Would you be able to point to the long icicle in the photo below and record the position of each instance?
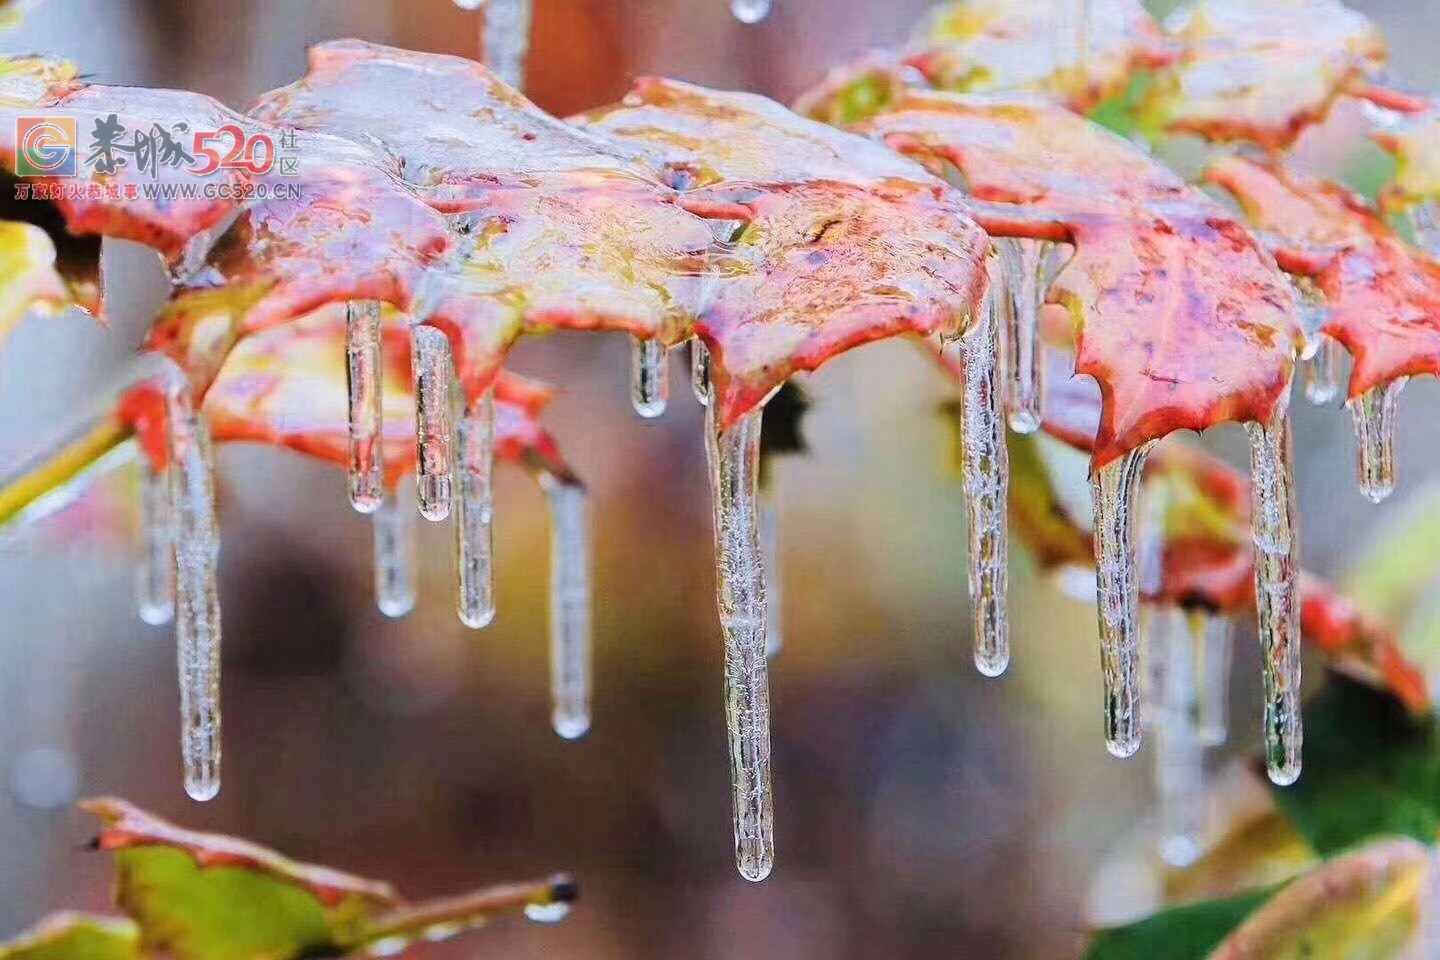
(1028, 269)
(1276, 597)
(197, 595)
(740, 594)
(507, 39)
(750, 11)
(364, 372)
(155, 582)
(396, 556)
(649, 377)
(570, 602)
(1213, 637)
(985, 469)
(434, 374)
(1113, 490)
(1179, 758)
(475, 511)
(700, 371)
(1374, 415)
(770, 555)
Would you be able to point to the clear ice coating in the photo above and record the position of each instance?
(363, 373)
(396, 556)
(1374, 416)
(570, 602)
(649, 377)
(700, 371)
(474, 512)
(985, 470)
(507, 39)
(197, 594)
(1028, 267)
(434, 373)
(740, 594)
(1179, 755)
(1113, 490)
(750, 11)
(155, 582)
(1213, 637)
(1276, 594)
(770, 556)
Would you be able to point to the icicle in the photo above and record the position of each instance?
(362, 350)
(434, 380)
(474, 513)
(734, 467)
(750, 11)
(770, 555)
(1178, 755)
(700, 370)
(1374, 416)
(569, 605)
(507, 39)
(985, 467)
(1213, 637)
(649, 377)
(1276, 549)
(395, 556)
(1113, 489)
(1322, 373)
(1028, 268)
(197, 596)
(155, 585)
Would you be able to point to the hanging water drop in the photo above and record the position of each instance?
(750, 11)
(155, 584)
(507, 39)
(434, 374)
(770, 556)
(395, 556)
(700, 370)
(363, 372)
(1277, 606)
(474, 512)
(1179, 757)
(1213, 637)
(1374, 415)
(985, 473)
(740, 593)
(1028, 267)
(197, 595)
(570, 602)
(649, 377)
(1113, 490)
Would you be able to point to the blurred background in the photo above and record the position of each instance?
(922, 810)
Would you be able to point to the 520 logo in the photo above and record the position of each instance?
(45, 147)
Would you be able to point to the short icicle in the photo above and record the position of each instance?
(1179, 756)
(1322, 373)
(649, 377)
(700, 371)
(1113, 490)
(396, 556)
(740, 592)
(751, 11)
(434, 374)
(1028, 267)
(363, 371)
(475, 511)
(155, 583)
(1213, 638)
(1374, 415)
(570, 602)
(1276, 592)
(507, 39)
(197, 594)
(985, 469)
(770, 555)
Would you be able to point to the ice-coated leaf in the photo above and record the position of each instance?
(75, 936)
(1383, 295)
(1262, 70)
(1181, 316)
(844, 242)
(203, 896)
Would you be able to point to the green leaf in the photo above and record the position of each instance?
(1371, 768)
(75, 936)
(1190, 932)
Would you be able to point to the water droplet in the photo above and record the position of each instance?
(649, 377)
(750, 11)
(395, 556)
(155, 582)
(474, 513)
(547, 912)
(1373, 413)
(570, 602)
(364, 372)
(434, 374)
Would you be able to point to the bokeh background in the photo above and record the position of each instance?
(922, 811)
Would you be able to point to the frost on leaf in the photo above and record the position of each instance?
(843, 241)
(1382, 295)
(204, 896)
(1180, 315)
